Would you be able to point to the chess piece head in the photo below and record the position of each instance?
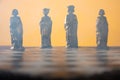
(45, 11)
(15, 12)
(71, 9)
(101, 12)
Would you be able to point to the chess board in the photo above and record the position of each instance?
(59, 61)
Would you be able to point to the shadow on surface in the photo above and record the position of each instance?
(113, 75)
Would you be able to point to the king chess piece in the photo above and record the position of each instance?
(102, 31)
(71, 24)
(46, 28)
(16, 31)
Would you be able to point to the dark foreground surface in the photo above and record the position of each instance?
(60, 63)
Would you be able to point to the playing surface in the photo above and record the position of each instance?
(59, 61)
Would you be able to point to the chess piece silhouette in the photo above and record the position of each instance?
(16, 31)
(71, 24)
(102, 30)
(46, 28)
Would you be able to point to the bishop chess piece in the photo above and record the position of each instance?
(71, 25)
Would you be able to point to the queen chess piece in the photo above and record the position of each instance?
(16, 31)
(102, 31)
(45, 29)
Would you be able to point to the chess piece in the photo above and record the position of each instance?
(102, 30)
(46, 28)
(16, 31)
(71, 24)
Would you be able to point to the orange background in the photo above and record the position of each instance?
(30, 12)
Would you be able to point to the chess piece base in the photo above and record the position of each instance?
(17, 49)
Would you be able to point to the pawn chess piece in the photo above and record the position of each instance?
(46, 28)
(71, 24)
(102, 31)
(16, 31)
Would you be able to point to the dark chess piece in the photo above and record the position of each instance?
(102, 31)
(71, 24)
(16, 31)
(46, 28)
